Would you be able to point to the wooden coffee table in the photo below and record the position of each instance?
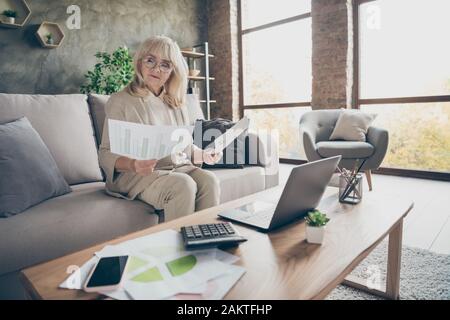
(280, 264)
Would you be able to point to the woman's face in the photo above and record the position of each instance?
(156, 72)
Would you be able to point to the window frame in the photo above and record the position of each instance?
(357, 102)
(241, 32)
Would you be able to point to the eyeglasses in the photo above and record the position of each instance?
(164, 66)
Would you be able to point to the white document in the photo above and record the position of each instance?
(77, 279)
(221, 142)
(214, 289)
(143, 142)
(160, 267)
(179, 278)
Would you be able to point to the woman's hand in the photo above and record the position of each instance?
(143, 167)
(208, 156)
(211, 157)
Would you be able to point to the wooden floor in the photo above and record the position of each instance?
(428, 224)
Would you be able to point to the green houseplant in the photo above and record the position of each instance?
(49, 37)
(315, 226)
(111, 74)
(10, 15)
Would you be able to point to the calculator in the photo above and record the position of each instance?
(210, 235)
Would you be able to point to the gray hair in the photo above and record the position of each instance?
(175, 88)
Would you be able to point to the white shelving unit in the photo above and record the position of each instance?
(195, 55)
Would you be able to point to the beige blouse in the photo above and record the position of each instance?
(149, 110)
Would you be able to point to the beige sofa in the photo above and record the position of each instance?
(70, 125)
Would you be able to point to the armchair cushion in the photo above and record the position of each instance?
(348, 149)
(352, 125)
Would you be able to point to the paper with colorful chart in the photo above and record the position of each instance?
(160, 268)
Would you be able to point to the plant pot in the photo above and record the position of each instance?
(315, 234)
(50, 41)
(10, 20)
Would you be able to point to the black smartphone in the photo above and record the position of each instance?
(107, 274)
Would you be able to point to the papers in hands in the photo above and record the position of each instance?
(143, 142)
(221, 142)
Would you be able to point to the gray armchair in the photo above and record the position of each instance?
(315, 130)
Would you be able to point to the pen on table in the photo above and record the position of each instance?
(353, 182)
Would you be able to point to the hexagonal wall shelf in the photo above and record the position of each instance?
(20, 7)
(52, 28)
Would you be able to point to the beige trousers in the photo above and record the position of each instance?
(181, 194)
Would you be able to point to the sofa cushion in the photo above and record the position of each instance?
(97, 104)
(69, 223)
(238, 183)
(348, 149)
(65, 126)
(28, 173)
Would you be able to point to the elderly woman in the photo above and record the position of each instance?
(156, 96)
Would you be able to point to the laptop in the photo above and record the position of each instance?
(302, 193)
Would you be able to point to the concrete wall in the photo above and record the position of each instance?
(26, 67)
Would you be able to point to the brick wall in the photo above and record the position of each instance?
(332, 54)
(223, 42)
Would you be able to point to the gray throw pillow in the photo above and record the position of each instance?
(28, 172)
(352, 125)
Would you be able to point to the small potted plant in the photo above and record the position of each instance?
(315, 226)
(10, 16)
(49, 37)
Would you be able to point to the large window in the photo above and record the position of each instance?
(276, 67)
(404, 77)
